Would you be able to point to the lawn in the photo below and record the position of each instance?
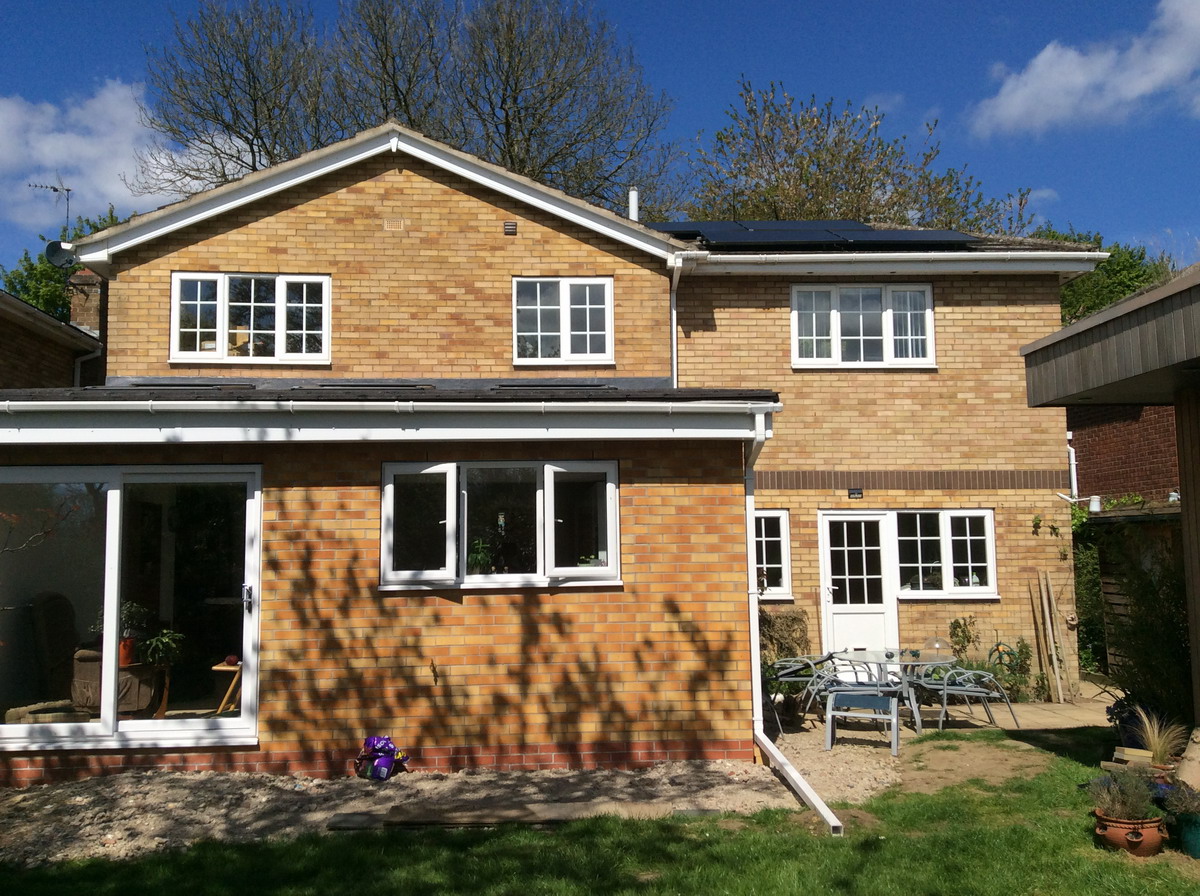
(1027, 836)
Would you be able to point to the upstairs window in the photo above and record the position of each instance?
(562, 320)
(862, 326)
(250, 318)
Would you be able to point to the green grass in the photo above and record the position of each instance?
(1029, 836)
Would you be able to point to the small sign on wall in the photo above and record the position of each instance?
(854, 493)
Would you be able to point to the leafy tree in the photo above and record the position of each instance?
(779, 159)
(41, 284)
(1127, 269)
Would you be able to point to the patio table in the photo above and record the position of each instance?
(905, 664)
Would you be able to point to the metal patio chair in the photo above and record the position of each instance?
(801, 674)
(968, 684)
(853, 692)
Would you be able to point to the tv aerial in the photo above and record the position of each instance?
(60, 190)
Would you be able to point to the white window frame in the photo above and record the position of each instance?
(454, 572)
(219, 353)
(947, 591)
(888, 292)
(782, 591)
(566, 355)
(110, 731)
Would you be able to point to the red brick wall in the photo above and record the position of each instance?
(657, 668)
(29, 360)
(1125, 450)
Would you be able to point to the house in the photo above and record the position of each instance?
(1140, 351)
(399, 442)
(40, 351)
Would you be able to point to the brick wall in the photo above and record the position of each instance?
(658, 668)
(421, 278)
(959, 436)
(29, 360)
(1125, 450)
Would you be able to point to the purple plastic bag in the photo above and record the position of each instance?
(378, 759)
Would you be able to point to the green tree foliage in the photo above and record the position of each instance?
(545, 89)
(1127, 269)
(780, 159)
(36, 281)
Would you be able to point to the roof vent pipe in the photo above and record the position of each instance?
(633, 204)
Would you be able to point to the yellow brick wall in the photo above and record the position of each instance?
(969, 413)
(658, 668)
(968, 417)
(421, 278)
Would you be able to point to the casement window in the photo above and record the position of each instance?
(873, 325)
(498, 523)
(772, 553)
(250, 318)
(946, 552)
(562, 320)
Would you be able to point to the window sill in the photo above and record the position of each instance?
(564, 362)
(929, 367)
(909, 596)
(776, 597)
(251, 362)
(505, 585)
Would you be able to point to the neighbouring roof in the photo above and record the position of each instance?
(16, 311)
(1137, 351)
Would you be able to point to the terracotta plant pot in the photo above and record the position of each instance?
(127, 652)
(1140, 837)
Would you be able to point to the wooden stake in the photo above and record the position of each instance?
(1048, 625)
(1057, 630)
(1039, 641)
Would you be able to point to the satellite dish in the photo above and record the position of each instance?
(60, 254)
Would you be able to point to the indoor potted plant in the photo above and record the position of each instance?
(161, 650)
(1126, 816)
(1183, 802)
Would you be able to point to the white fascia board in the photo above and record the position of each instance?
(163, 422)
(274, 180)
(902, 263)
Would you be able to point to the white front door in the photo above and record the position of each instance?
(858, 587)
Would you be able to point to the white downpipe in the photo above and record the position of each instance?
(775, 758)
(1071, 463)
(676, 273)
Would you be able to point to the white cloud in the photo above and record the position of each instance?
(1065, 85)
(88, 142)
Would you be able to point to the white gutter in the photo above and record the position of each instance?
(774, 757)
(1013, 262)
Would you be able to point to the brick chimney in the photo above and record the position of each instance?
(88, 295)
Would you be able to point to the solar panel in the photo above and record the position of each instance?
(778, 235)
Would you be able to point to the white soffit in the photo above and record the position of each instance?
(385, 139)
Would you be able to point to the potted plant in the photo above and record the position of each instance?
(162, 649)
(1165, 740)
(1126, 816)
(1183, 802)
(134, 619)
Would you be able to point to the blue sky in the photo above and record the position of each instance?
(1095, 107)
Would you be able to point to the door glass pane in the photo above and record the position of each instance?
(855, 562)
(183, 548)
(52, 544)
(420, 522)
(501, 526)
(580, 519)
